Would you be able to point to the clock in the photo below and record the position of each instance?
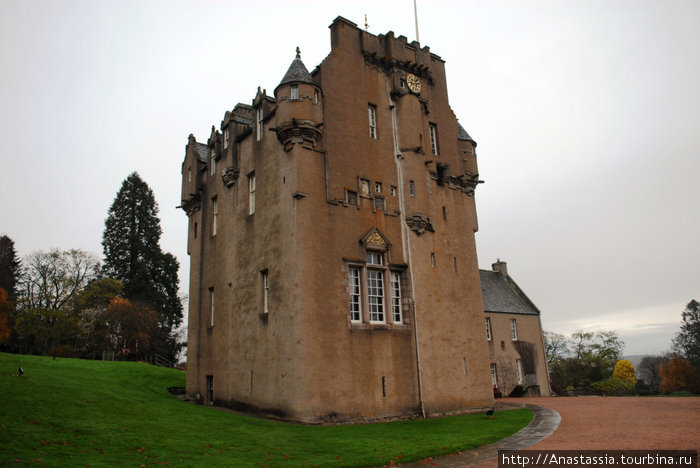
(413, 83)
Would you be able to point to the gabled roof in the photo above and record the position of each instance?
(501, 294)
(297, 72)
(463, 135)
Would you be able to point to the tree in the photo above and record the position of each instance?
(679, 374)
(92, 303)
(687, 341)
(590, 358)
(133, 255)
(649, 370)
(130, 326)
(47, 316)
(555, 346)
(10, 268)
(624, 371)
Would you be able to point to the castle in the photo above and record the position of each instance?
(331, 237)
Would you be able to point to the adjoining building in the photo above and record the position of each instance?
(333, 272)
(514, 333)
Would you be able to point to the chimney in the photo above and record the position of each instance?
(500, 266)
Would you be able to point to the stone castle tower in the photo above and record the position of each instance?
(331, 235)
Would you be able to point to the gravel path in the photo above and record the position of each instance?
(608, 423)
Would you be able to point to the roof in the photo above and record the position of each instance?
(463, 135)
(297, 72)
(202, 151)
(501, 294)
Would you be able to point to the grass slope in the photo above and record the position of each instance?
(71, 412)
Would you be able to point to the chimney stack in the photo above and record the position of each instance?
(500, 266)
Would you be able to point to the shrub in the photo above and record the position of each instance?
(612, 386)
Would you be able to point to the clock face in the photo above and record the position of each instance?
(413, 83)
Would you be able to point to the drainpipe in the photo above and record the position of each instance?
(406, 243)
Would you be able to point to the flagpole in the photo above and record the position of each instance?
(415, 13)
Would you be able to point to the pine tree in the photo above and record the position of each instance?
(687, 341)
(9, 268)
(133, 256)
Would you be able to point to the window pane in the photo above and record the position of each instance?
(373, 258)
(375, 296)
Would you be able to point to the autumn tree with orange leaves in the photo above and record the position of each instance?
(130, 326)
(679, 374)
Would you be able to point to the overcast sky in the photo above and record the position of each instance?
(586, 114)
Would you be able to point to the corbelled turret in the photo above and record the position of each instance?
(299, 107)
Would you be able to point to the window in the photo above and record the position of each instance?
(494, 375)
(351, 197)
(355, 295)
(294, 92)
(213, 162)
(211, 306)
(189, 174)
(251, 193)
(396, 297)
(393, 191)
(378, 187)
(519, 370)
(226, 137)
(375, 296)
(374, 286)
(260, 123)
(433, 139)
(265, 291)
(195, 229)
(488, 329)
(372, 112)
(379, 203)
(315, 97)
(411, 188)
(513, 329)
(214, 215)
(432, 259)
(210, 390)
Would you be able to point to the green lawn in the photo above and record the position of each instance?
(71, 412)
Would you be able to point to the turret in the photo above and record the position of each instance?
(299, 107)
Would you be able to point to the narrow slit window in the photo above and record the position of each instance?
(372, 115)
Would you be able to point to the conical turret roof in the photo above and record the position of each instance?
(463, 135)
(297, 72)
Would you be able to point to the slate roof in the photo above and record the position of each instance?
(297, 73)
(502, 294)
(202, 151)
(463, 135)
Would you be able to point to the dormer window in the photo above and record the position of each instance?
(295, 92)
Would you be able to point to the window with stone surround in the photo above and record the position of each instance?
(372, 115)
(433, 139)
(251, 193)
(375, 287)
(489, 337)
(259, 127)
(294, 94)
(514, 329)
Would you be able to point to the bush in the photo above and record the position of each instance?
(679, 375)
(612, 386)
